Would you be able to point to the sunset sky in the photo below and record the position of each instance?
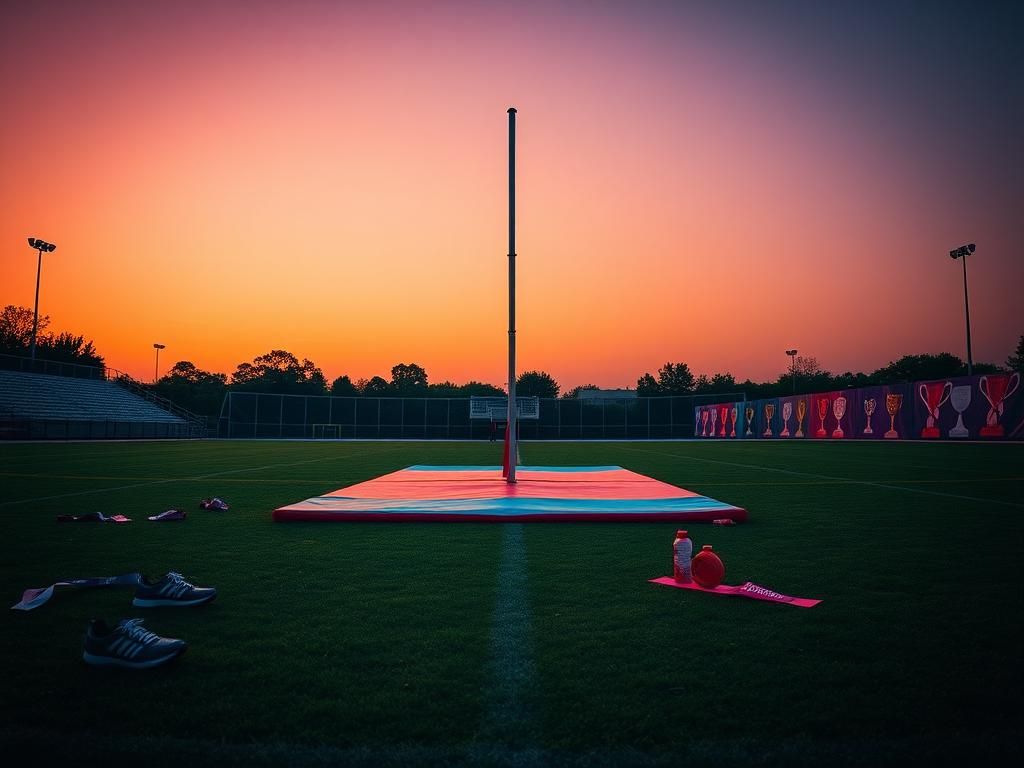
(708, 182)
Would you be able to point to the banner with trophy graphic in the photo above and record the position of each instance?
(793, 416)
(1005, 416)
(768, 418)
(969, 407)
(986, 407)
(831, 415)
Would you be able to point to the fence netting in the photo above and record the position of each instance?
(257, 415)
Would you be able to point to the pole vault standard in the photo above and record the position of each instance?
(510, 476)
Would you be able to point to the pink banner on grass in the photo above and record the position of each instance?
(748, 589)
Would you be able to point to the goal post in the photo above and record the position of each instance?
(496, 408)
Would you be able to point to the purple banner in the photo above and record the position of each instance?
(978, 407)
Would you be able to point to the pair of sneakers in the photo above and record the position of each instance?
(132, 646)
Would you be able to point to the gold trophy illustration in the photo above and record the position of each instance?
(787, 414)
(734, 412)
(723, 412)
(822, 413)
(749, 412)
(801, 411)
(769, 411)
(892, 407)
(704, 423)
(839, 410)
(869, 410)
(714, 420)
(996, 388)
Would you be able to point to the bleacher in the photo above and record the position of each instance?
(40, 406)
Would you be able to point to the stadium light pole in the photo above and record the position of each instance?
(961, 253)
(512, 427)
(40, 246)
(792, 366)
(156, 368)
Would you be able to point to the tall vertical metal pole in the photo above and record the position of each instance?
(512, 426)
(967, 312)
(35, 321)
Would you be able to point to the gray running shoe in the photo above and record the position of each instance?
(128, 645)
(172, 589)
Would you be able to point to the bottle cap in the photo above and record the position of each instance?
(681, 534)
(706, 548)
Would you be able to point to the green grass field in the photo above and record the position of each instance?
(537, 644)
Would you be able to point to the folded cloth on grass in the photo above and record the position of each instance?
(217, 504)
(33, 598)
(749, 589)
(170, 514)
(93, 517)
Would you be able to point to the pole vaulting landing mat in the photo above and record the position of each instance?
(480, 494)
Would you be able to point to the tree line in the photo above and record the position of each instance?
(64, 347)
(281, 372)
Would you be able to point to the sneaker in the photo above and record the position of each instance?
(172, 589)
(128, 645)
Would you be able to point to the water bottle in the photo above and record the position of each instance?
(682, 549)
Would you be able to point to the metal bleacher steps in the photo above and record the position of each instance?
(46, 406)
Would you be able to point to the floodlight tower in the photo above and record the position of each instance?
(512, 441)
(961, 253)
(792, 366)
(156, 369)
(40, 246)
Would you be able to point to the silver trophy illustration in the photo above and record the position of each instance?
(839, 410)
(960, 398)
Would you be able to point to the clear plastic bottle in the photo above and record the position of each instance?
(682, 551)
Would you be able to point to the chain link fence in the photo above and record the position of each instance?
(267, 416)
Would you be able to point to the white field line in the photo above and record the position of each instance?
(509, 720)
(169, 480)
(833, 478)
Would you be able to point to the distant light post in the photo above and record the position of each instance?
(40, 246)
(961, 253)
(792, 366)
(156, 368)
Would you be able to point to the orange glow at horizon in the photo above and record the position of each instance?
(331, 180)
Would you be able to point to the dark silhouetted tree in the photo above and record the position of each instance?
(343, 387)
(921, 367)
(67, 348)
(375, 387)
(193, 388)
(408, 380)
(675, 379)
(280, 372)
(647, 386)
(1015, 362)
(16, 329)
(536, 384)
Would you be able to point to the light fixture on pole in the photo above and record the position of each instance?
(40, 246)
(156, 368)
(961, 253)
(792, 366)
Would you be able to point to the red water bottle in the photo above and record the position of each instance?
(708, 568)
(682, 550)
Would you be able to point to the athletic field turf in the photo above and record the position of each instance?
(539, 644)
